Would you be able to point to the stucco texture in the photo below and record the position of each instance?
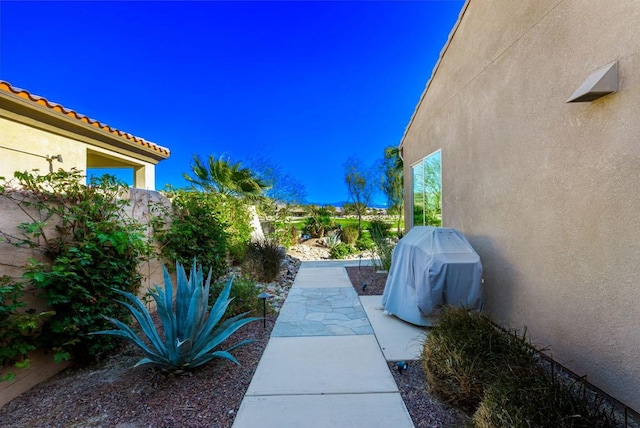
(546, 192)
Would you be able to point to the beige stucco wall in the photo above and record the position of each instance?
(25, 135)
(547, 192)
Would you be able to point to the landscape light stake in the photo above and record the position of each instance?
(359, 261)
(402, 365)
(264, 297)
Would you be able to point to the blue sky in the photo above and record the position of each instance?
(306, 84)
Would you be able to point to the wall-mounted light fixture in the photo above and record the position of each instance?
(601, 82)
(50, 159)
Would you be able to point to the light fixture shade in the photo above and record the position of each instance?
(600, 83)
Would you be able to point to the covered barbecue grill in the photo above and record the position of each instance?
(432, 267)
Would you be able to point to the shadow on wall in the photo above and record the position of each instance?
(499, 274)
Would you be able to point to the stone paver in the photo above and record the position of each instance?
(322, 312)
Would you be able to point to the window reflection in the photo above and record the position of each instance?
(426, 180)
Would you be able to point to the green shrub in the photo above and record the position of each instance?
(264, 259)
(379, 229)
(496, 375)
(19, 328)
(90, 248)
(464, 353)
(383, 252)
(340, 251)
(540, 400)
(364, 242)
(194, 231)
(319, 222)
(350, 234)
(285, 234)
(244, 296)
(191, 331)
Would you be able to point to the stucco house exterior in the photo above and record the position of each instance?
(547, 191)
(38, 134)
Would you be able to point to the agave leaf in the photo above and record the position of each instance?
(222, 327)
(239, 344)
(144, 361)
(167, 317)
(127, 333)
(210, 356)
(183, 352)
(217, 354)
(141, 315)
(217, 340)
(169, 321)
(196, 313)
(216, 313)
(183, 298)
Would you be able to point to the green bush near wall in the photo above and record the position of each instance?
(496, 375)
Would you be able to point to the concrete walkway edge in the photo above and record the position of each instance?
(323, 366)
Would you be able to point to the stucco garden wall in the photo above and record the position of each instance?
(547, 192)
(12, 261)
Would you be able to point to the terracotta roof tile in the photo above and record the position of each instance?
(41, 101)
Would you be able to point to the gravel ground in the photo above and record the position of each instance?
(113, 394)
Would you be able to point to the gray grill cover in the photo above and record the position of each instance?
(432, 267)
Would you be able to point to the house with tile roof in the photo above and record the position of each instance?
(38, 134)
(532, 116)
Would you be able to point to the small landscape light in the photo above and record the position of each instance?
(264, 297)
(401, 366)
(359, 261)
(364, 285)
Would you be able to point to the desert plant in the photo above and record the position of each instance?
(464, 353)
(350, 234)
(383, 251)
(364, 242)
(340, 251)
(318, 222)
(540, 399)
(191, 331)
(332, 239)
(264, 259)
(379, 229)
(244, 295)
(497, 375)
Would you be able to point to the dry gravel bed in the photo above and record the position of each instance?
(113, 394)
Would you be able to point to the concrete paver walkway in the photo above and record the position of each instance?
(323, 366)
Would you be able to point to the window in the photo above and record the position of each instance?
(426, 180)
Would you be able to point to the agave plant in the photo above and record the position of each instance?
(191, 332)
(332, 240)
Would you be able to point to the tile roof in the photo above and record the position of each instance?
(43, 102)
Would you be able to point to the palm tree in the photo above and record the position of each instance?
(222, 176)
